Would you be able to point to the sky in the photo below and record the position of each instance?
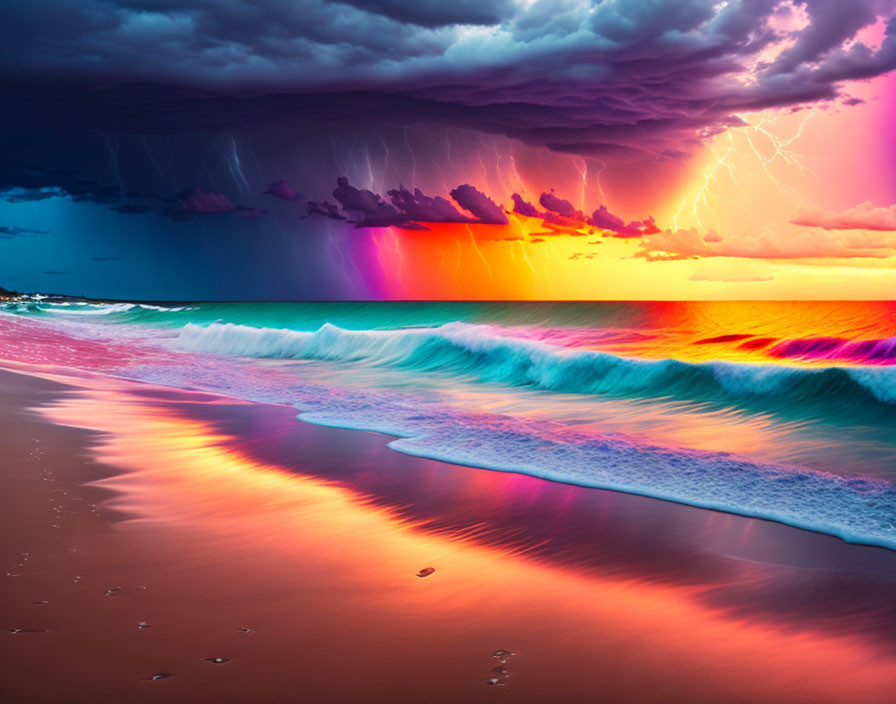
(479, 149)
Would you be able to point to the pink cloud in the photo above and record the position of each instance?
(771, 243)
(862, 217)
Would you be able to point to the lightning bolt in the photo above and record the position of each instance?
(233, 164)
(526, 257)
(754, 136)
(385, 161)
(400, 255)
(113, 163)
(153, 160)
(479, 252)
(709, 174)
(413, 158)
(237, 165)
(516, 173)
(582, 168)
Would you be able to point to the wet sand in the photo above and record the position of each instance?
(200, 516)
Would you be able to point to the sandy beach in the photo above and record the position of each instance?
(150, 532)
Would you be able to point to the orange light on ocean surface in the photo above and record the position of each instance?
(253, 528)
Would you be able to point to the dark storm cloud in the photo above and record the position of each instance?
(10, 232)
(22, 184)
(831, 23)
(616, 79)
(436, 13)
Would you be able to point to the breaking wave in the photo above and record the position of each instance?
(481, 353)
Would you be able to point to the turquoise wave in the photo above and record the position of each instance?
(479, 352)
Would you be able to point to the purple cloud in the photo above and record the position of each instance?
(605, 220)
(196, 200)
(420, 207)
(524, 207)
(623, 80)
(281, 189)
(201, 202)
(327, 209)
(557, 205)
(369, 208)
(480, 205)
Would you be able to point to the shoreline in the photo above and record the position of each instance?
(234, 515)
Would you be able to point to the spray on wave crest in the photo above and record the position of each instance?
(478, 351)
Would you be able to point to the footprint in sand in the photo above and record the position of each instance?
(500, 676)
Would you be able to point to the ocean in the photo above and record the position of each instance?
(777, 410)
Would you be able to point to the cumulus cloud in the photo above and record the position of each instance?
(483, 208)
(523, 207)
(368, 208)
(605, 220)
(562, 217)
(408, 209)
(420, 207)
(862, 217)
(554, 204)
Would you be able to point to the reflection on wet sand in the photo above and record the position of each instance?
(313, 537)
